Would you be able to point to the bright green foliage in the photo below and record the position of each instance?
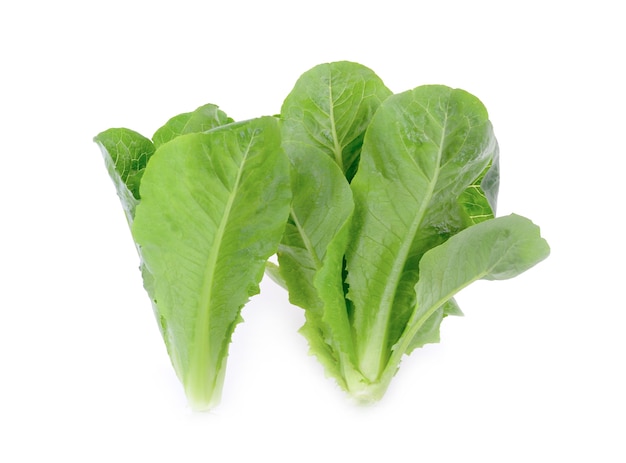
(422, 150)
(318, 218)
(210, 210)
(427, 170)
(126, 154)
(329, 109)
(204, 118)
(380, 208)
(496, 249)
(324, 121)
(213, 210)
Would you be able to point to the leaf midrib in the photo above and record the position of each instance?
(338, 152)
(375, 349)
(200, 355)
(306, 240)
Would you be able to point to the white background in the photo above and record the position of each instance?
(533, 372)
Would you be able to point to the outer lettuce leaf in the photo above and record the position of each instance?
(477, 204)
(422, 150)
(126, 154)
(329, 109)
(213, 209)
(496, 249)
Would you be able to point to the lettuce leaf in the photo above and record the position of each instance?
(126, 154)
(422, 150)
(206, 212)
(329, 109)
(323, 124)
(213, 209)
(496, 249)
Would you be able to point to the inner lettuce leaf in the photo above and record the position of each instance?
(329, 109)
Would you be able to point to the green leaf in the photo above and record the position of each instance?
(126, 154)
(204, 118)
(321, 206)
(329, 109)
(496, 249)
(478, 203)
(213, 209)
(324, 121)
(422, 149)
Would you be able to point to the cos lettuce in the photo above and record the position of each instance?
(376, 258)
(380, 208)
(209, 212)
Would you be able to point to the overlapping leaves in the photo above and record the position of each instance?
(380, 208)
(209, 212)
(427, 170)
